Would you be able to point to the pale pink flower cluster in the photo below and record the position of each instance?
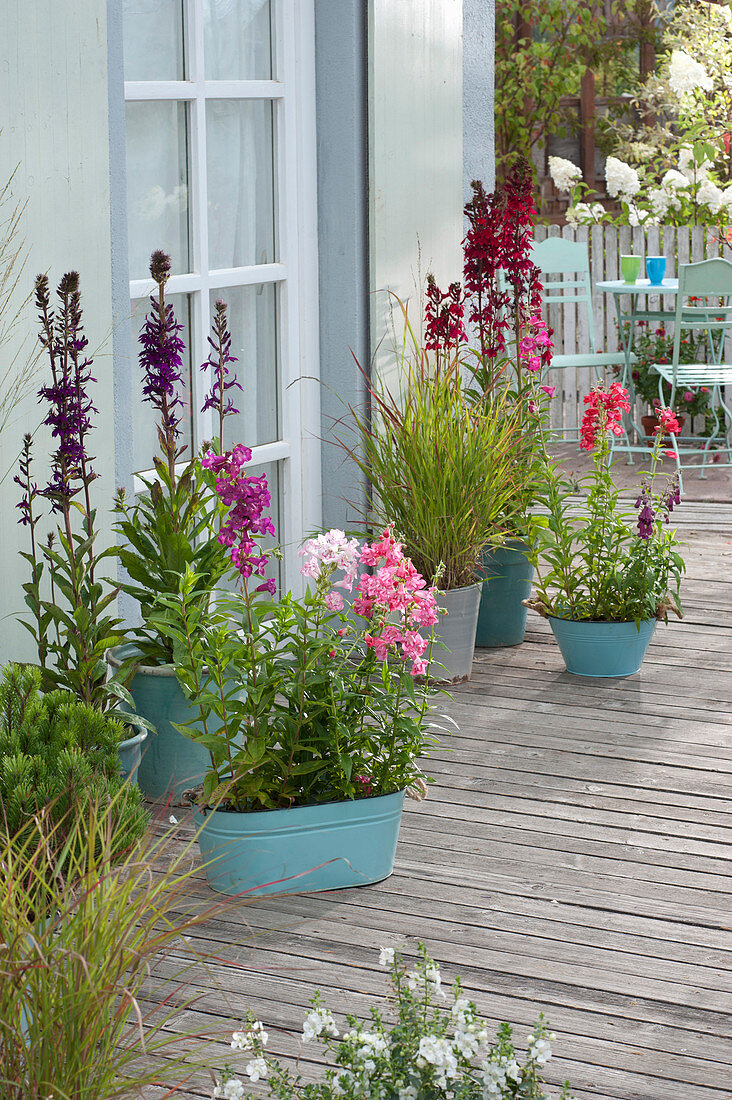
(395, 587)
(332, 549)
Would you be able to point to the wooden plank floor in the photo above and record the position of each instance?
(572, 857)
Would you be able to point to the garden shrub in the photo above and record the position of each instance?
(56, 756)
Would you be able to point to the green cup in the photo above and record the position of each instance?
(630, 268)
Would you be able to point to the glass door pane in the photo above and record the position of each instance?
(153, 39)
(252, 317)
(238, 39)
(157, 183)
(240, 161)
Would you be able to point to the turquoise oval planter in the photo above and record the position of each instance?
(602, 649)
(509, 576)
(130, 754)
(171, 763)
(301, 850)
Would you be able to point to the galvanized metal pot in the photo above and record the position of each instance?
(454, 644)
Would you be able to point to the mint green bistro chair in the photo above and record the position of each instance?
(705, 280)
(556, 256)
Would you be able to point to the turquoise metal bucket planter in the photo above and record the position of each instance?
(171, 763)
(130, 754)
(302, 850)
(509, 576)
(602, 649)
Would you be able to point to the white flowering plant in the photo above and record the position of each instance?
(653, 194)
(689, 93)
(418, 1049)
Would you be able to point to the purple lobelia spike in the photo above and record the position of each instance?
(69, 406)
(161, 359)
(218, 398)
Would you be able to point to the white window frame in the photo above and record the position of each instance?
(295, 275)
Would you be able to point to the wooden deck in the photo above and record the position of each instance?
(572, 857)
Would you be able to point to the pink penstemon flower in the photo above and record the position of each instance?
(395, 587)
(394, 598)
(334, 601)
(604, 412)
(667, 422)
(535, 346)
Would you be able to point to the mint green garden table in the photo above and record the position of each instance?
(629, 312)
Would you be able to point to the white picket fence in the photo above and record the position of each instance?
(606, 244)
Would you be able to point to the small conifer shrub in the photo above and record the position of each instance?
(57, 755)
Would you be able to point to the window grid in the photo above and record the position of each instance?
(298, 411)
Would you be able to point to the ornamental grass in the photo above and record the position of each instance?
(442, 468)
(78, 949)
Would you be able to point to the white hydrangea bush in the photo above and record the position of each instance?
(621, 179)
(685, 75)
(685, 195)
(565, 175)
(420, 1048)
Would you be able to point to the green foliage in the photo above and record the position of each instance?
(56, 756)
(291, 711)
(443, 466)
(71, 622)
(542, 50)
(596, 566)
(69, 602)
(414, 1048)
(169, 529)
(525, 406)
(82, 1014)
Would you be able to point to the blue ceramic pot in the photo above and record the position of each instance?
(130, 754)
(509, 576)
(602, 649)
(300, 850)
(171, 763)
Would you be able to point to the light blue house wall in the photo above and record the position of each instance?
(341, 85)
(479, 31)
(124, 351)
(54, 134)
(405, 122)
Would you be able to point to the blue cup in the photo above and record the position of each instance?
(655, 269)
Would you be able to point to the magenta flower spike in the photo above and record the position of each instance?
(247, 496)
